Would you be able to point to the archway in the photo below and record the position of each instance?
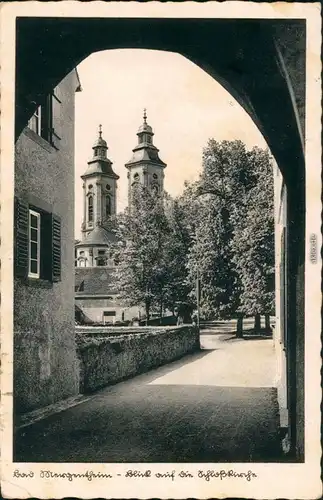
(268, 83)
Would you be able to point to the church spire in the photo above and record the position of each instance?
(145, 132)
(145, 166)
(100, 146)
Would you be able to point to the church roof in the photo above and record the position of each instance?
(100, 142)
(100, 163)
(100, 166)
(99, 236)
(145, 127)
(94, 281)
(145, 153)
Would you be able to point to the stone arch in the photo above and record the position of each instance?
(261, 64)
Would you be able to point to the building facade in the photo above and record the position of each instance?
(45, 361)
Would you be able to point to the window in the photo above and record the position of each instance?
(35, 121)
(90, 209)
(136, 176)
(37, 241)
(149, 139)
(101, 262)
(107, 206)
(34, 244)
(46, 120)
(155, 176)
(109, 316)
(101, 252)
(108, 187)
(80, 287)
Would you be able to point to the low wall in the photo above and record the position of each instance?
(164, 321)
(107, 358)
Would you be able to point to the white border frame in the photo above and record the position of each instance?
(288, 480)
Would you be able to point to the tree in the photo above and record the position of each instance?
(176, 286)
(225, 171)
(210, 260)
(219, 230)
(232, 206)
(253, 240)
(142, 231)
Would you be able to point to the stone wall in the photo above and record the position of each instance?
(106, 359)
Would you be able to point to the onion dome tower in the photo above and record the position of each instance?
(99, 207)
(145, 166)
(99, 188)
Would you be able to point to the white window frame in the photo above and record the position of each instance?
(36, 118)
(38, 216)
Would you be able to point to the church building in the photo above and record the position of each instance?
(95, 293)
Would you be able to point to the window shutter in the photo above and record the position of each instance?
(21, 238)
(56, 248)
(56, 120)
(46, 119)
(46, 246)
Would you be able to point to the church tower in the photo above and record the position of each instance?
(99, 208)
(145, 166)
(99, 188)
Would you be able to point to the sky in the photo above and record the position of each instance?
(185, 107)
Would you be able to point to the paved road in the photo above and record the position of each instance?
(218, 405)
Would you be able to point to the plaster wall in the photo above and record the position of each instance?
(93, 308)
(45, 362)
(279, 341)
(146, 175)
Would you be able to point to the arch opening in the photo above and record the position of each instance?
(250, 74)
